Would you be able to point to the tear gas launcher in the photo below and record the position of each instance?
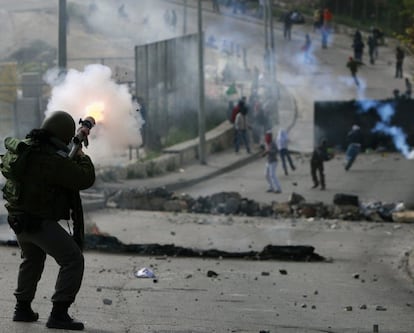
(81, 136)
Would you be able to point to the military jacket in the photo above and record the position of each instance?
(49, 183)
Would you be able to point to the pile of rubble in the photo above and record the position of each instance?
(343, 207)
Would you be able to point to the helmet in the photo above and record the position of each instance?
(61, 125)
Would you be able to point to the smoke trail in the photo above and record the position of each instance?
(119, 127)
(386, 111)
(397, 134)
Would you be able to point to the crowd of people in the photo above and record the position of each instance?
(251, 119)
(255, 117)
(39, 197)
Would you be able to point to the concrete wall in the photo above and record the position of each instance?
(333, 120)
(174, 157)
(217, 139)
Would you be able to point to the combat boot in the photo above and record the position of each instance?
(23, 312)
(60, 319)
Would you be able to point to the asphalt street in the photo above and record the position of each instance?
(365, 282)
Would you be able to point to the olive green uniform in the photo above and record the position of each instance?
(50, 184)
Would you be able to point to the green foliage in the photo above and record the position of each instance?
(390, 16)
(150, 154)
(184, 127)
(409, 5)
(171, 166)
(176, 135)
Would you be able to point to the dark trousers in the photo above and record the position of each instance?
(324, 39)
(317, 169)
(352, 152)
(399, 69)
(354, 76)
(53, 240)
(216, 6)
(287, 33)
(372, 55)
(242, 137)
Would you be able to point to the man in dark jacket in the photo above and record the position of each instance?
(353, 66)
(48, 191)
(287, 26)
(319, 155)
(399, 57)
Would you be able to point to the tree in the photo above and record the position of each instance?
(407, 37)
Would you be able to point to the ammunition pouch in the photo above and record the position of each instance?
(24, 222)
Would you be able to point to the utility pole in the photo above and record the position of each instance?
(272, 92)
(266, 27)
(185, 18)
(272, 45)
(62, 57)
(201, 110)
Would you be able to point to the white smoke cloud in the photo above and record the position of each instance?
(386, 111)
(120, 125)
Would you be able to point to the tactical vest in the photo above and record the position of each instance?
(25, 194)
(13, 166)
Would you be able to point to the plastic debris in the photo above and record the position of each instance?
(384, 210)
(145, 273)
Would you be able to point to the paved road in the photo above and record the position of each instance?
(366, 273)
(373, 177)
(247, 296)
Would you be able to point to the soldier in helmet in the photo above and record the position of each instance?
(47, 193)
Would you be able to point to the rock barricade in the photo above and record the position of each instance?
(343, 207)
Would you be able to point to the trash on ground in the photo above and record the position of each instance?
(145, 273)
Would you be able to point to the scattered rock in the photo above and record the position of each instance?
(107, 301)
(212, 274)
(307, 211)
(342, 199)
(344, 207)
(282, 208)
(175, 206)
(296, 199)
(283, 271)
